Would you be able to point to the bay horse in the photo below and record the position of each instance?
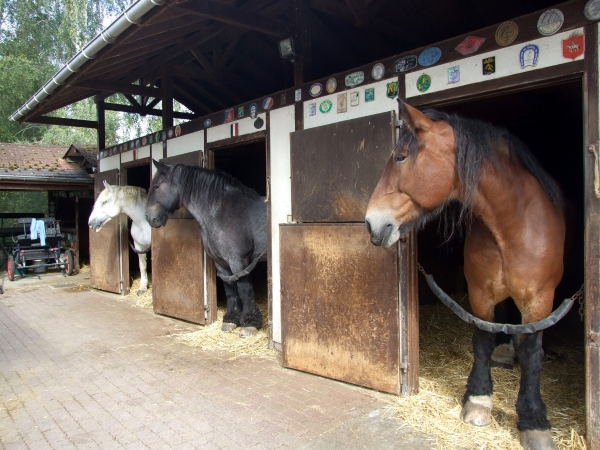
(233, 227)
(514, 244)
(129, 200)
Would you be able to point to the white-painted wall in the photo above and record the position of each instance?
(185, 144)
(282, 123)
(382, 103)
(112, 162)
(507, 63)
(245, 126)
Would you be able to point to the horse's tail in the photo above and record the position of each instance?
(139, 252)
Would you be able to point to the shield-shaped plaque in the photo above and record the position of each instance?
(573, 46)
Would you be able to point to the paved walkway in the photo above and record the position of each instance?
(85, 369)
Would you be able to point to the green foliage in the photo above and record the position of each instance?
(37, 37)
(22, 202)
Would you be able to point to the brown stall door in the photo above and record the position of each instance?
(336, 167)
(105, 248)
(178, 261)
(340, 305)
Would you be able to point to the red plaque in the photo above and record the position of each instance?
(573, 46)
(470, 45)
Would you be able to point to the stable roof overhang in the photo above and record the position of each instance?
(223, 53)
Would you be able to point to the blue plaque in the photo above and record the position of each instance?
(430, 56)
(529, 55)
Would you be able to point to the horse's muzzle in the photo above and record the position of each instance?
(380, 233)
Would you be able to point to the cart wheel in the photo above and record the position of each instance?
(69, 262)
(10, 268)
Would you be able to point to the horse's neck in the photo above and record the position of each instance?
(506, 195)
(136, 211)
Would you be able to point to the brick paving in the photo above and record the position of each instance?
(84, 369)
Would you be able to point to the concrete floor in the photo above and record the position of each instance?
(86, 369)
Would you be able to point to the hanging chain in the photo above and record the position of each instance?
(577, 297)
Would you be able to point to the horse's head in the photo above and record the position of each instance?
(105, 208)
(418, 179)
(163, 197)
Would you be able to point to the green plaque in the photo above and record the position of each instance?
(369, 94)
(424, 83)
(325, 106)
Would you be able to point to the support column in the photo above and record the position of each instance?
(302, 66)
(101, 118)
(166, 78)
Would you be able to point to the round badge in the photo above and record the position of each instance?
(157, 136)
(592, 10)
(315, 90)
(177, 130)
(550, 22)
(424, 83)
(267, 102)
(430, 56)
(144, 140)
(170, 133)
(506, 33)
(137, 142)
(378, 71)
(331, 85)
(253, 108)
(207, 123)
(258, 123)
(325, 106)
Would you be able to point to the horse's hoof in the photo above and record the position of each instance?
(227, 327)
(141, 291)
(248, 331)
(504, 356)
(479, 413)
(537, 440)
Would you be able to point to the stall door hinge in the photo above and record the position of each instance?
(404, 369)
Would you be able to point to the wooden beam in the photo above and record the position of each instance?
(190, 101)
(145, 111)
(101, 118)
(238, 17)
(203, 92)
(190, 72)
(121, 88)
(208, 65)
(166, 80)
(48, 120)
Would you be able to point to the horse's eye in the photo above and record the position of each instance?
(400, 158)
(156, 186)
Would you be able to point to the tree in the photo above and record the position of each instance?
(37, 37)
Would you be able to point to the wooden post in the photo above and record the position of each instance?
(101, 124)
(167, 100)
(302, 65)
(592, 240)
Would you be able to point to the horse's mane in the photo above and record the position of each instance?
(133, 193)
(197, 182)
(476, 143)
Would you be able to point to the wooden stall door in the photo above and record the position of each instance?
(340, 305)
(178, 261)
(343, 299)
(105, 246)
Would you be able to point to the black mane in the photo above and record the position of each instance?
(200, 183)
(476, 143)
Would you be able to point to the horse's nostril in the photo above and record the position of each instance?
(368, 224)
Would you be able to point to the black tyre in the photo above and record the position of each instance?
(10, 267)
(69, 262)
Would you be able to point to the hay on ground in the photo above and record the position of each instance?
(144, 300)
(446, 356)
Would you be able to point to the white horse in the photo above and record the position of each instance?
(130, 200)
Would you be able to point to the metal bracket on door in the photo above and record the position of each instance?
(404, 369)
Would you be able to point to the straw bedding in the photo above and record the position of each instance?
(446, 357)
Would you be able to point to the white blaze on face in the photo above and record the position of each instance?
(105, 209)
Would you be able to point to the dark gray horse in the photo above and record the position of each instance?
(233, 226)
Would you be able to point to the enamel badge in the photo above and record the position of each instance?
(529, 55)
(470, 45)
(573, 46)
(405, 64)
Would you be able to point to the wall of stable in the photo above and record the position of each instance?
(282, 123)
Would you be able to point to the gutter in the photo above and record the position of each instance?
(131, 16)
(48, 179)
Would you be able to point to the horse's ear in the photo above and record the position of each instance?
(161, 167)
(107, 186)
(414, 119)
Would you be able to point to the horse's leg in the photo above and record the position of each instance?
(251, 319)
(231, 319)
(533, 420)
(143, 273)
